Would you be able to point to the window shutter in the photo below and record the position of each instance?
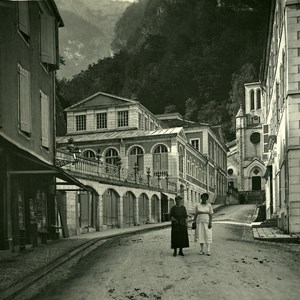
(48, 39)
(45, 114)
(24, 100)
(23, 17)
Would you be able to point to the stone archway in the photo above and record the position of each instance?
(110, 208)
(154, 208)
(143, 208)
(129, 208)
(88, 210)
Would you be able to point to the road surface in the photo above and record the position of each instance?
(142, 267)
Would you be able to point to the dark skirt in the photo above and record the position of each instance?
(179, 236)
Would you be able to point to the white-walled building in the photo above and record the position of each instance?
(280, 78)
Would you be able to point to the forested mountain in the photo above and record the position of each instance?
(191, 56)
(88, 32)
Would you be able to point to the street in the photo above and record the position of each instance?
(142, 267)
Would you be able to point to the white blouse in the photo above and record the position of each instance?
(206, 209)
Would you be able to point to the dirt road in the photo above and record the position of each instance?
(142, 267)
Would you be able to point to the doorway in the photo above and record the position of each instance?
(256, 183)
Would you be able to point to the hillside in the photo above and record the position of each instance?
(88, 32)
(190, 56)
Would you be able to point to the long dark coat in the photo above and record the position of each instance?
(179, 233)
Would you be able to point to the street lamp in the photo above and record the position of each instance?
(71, 149)
(158, 179)
(148, 175)
(136, 167)
(99, 159)
(187, 190)
(119, 165)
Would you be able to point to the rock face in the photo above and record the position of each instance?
(88, 32)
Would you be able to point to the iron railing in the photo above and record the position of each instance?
(96, 168)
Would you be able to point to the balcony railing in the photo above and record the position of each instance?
(95, 168)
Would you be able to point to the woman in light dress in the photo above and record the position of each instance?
(203, 218)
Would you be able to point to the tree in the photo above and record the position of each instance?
(170, 109)
(191, 109)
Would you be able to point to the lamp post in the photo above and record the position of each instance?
(72, 150)
(167, 180)
(99, 159)
(119, 165)
(158, 179)
(187, 191)
(136, 167)
(148, 175)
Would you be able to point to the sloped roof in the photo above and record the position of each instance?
(99, 100)
(101, 136)
(231, 143)
(240, 113)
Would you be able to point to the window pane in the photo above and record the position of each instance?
(80, 122)
(122, 118)
(101, 120)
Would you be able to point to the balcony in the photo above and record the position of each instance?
(84, 167)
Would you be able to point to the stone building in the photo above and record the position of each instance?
(246, 168)
(123, 136)
(280, 76)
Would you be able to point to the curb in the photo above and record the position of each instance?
(38, 280)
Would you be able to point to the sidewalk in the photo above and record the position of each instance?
(273, 234)
(34, 262)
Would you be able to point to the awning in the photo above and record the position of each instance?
(32, 165)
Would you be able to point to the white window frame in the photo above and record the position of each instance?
(82, 126)
(195, 140)
(123, 118)
(100, 121)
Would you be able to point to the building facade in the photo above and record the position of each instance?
(280, 78)
(246, 168)
(29, 58)
(124, 134)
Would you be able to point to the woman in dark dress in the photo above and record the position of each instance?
(179, 233)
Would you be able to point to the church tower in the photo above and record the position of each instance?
(249, 140)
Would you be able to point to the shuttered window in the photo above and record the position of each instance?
(136, 158)
(160, 160)
(48, 41)
(24, 101)
(45, 122)
(23, 18)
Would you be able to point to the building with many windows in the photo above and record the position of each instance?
(280, 76)
(29, 58)
(122, 132)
